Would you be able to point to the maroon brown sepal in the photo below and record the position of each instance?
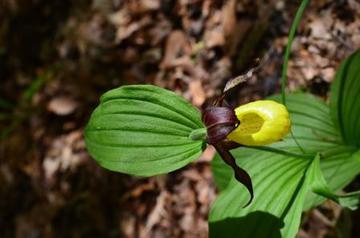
(219, 122)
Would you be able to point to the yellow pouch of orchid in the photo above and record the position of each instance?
(261, 123)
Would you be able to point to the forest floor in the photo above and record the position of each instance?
(58, 57)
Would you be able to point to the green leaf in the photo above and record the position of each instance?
(320, 186)
(143, 130)
(339, 165)
(311, 124)
(345, 91)
(279, 183)
(280, 187)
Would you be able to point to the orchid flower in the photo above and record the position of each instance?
(256, 123)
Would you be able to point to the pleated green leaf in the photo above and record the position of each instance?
(345, 106)
(280, 182)
(339, 165)
(320, 186)
(143, 130)
(280, 187)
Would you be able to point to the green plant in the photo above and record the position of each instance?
(144, 130)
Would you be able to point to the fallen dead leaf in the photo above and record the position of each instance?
(214, 38)
(177, 46)
(62, 105)
(197, 92)
(207, 155)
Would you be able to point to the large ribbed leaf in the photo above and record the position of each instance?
(340, 166)
(280, 188)
(279, 183)
(345, 106)
(320, 186)
(315, 132)
(311, 124)
(143, 130)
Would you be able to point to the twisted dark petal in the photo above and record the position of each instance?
(219, 121)
(241, 175)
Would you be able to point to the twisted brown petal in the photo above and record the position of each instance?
(241, 175)
(219, 122)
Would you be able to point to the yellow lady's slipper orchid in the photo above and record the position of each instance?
(261, 122)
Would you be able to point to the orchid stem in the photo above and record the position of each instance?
(291, 37)
(282, 152)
